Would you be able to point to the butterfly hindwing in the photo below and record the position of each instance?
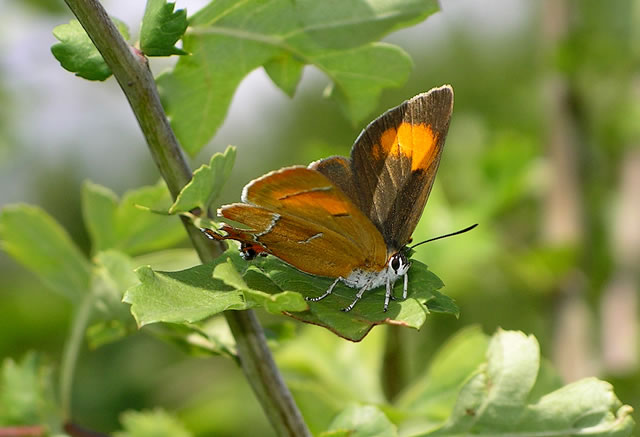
(301, 217)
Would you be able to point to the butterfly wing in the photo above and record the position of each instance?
(303, 218)
(394, 163)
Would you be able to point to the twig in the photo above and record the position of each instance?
(131, 70)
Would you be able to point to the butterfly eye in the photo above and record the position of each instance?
(395, 263)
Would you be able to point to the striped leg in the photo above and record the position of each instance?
(388, 295)
(326, 293)
(358, 297)
(406, 285)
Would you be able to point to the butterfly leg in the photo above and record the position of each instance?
(388, 295)
(406, 285)
(326, 293)
(355, 301)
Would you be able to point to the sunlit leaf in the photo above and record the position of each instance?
(231, 283)
(199, 292)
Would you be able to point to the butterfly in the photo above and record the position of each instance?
(350, 218)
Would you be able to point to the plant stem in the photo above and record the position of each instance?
(131, 70)
(72, 350)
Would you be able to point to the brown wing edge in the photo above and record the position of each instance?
(397, 208)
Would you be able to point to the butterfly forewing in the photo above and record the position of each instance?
(394, 162)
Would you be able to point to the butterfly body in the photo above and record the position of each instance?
(350, 218)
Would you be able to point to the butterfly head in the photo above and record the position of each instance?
(398, 264)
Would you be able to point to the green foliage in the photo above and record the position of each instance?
(496, 399)
(162, 28)
(285, 71)
(423, 298)
(76, 52)
(227, 40)
(201, 291)
(473, 386)
(156, 423)
(206, 183)
(123, 225)
(39, 243)
(361, 421)
(26, 393)
(430, 398)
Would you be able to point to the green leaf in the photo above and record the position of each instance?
(26, 392)
(156, 423)
(231, 283)
(125, 226)
(206, 184)
(332, 374)
(76, 52)
(285, 71)
(431, 397)
(336, 23)
(39, 243)
(113, 275)
(228, 39)
(361, 421)
(355, 324)
(494, 400)
(162, 28)
(186, 296)
(199, 292)
(360, 74)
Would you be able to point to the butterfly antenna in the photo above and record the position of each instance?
(462, 231)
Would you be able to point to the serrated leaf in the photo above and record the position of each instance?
(38, 242)
(227, 40)
(161, 28)
(354, 325)
(156, 423)
(285, 71)
(76, 52)
(26, 392)
(178, 297)
(361, 421)
(231, 283)
(206, 184)
(494, 401)
(193, 294)
(124, 225)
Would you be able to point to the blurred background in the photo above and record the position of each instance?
(543, 152)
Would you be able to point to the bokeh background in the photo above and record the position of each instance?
(543, 152)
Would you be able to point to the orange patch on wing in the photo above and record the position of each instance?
(323, 201)
(414, 141)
